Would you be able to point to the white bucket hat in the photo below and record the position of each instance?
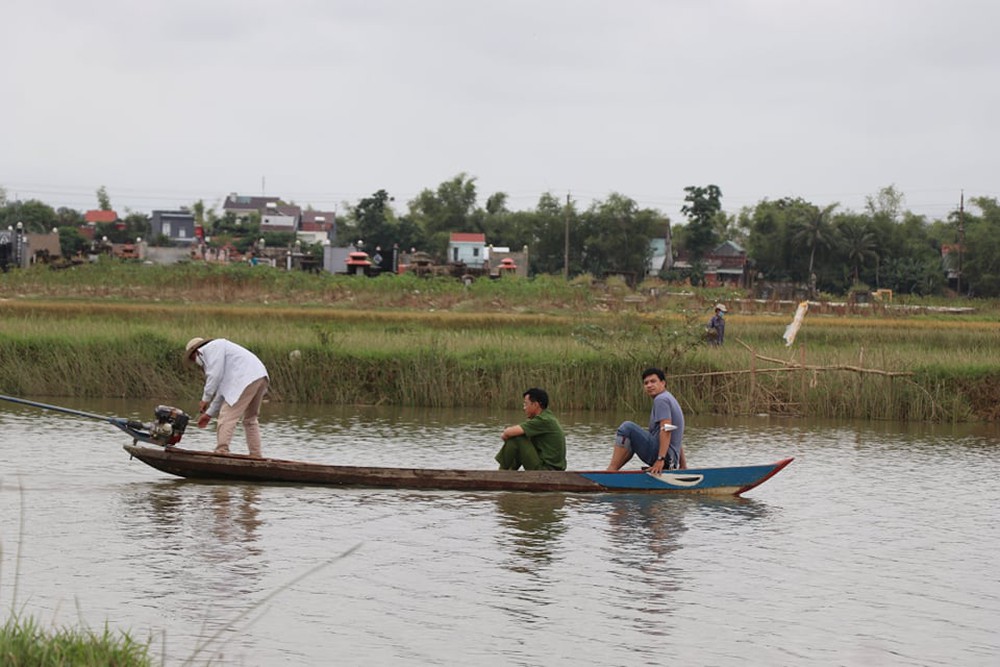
(721, 307)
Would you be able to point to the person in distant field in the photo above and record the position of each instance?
(538, 443)
(235, 384)
(717, 326)
(661, 445)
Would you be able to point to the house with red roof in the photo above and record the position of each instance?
(97, 215)
(467, 248)
(725, 266)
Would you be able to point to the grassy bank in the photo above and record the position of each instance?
(117, 330)
(24, 643)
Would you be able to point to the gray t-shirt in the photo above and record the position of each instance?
(665, 406)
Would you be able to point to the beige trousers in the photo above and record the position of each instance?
(246, 409)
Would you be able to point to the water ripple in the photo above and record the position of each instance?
(877, 546)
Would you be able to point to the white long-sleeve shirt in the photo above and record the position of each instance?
(229, 369)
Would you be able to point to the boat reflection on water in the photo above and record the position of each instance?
(531, 525)
(659, 521)
(211, 529)
(236, 514)
(644, 532)
(649, 528)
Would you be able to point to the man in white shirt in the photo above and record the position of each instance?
(235, 384)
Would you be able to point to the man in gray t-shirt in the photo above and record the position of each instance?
(660, 447)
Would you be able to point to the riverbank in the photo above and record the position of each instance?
(117, 331)
(24, 642)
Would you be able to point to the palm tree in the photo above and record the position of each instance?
(858, 243)
(815, 229)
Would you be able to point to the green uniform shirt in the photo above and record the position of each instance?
(548, 438)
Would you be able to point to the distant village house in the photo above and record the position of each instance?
(726, 265)
(176, 226)
(309, 226)
(468, 249)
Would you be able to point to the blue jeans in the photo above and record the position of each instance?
(637, 440)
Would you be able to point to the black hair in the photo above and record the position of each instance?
(658, 372)
(538, 396)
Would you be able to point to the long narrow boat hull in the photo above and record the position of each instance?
(237, 467)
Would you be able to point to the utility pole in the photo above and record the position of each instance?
(961, 240)
(566, 241)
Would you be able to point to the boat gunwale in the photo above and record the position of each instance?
(209, 465)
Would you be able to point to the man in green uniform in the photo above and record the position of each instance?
(536, 444)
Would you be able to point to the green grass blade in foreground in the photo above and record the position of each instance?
(200, 648)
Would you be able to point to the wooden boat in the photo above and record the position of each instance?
(155, 445)
(194, 464)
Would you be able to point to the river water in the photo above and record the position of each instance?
(877, 546)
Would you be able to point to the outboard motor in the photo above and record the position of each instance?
(169, 425)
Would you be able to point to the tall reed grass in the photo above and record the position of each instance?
(405, 341)
(585, 367)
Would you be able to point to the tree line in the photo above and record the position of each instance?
(825, 247)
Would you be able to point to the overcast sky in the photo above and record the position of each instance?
(323, 102)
